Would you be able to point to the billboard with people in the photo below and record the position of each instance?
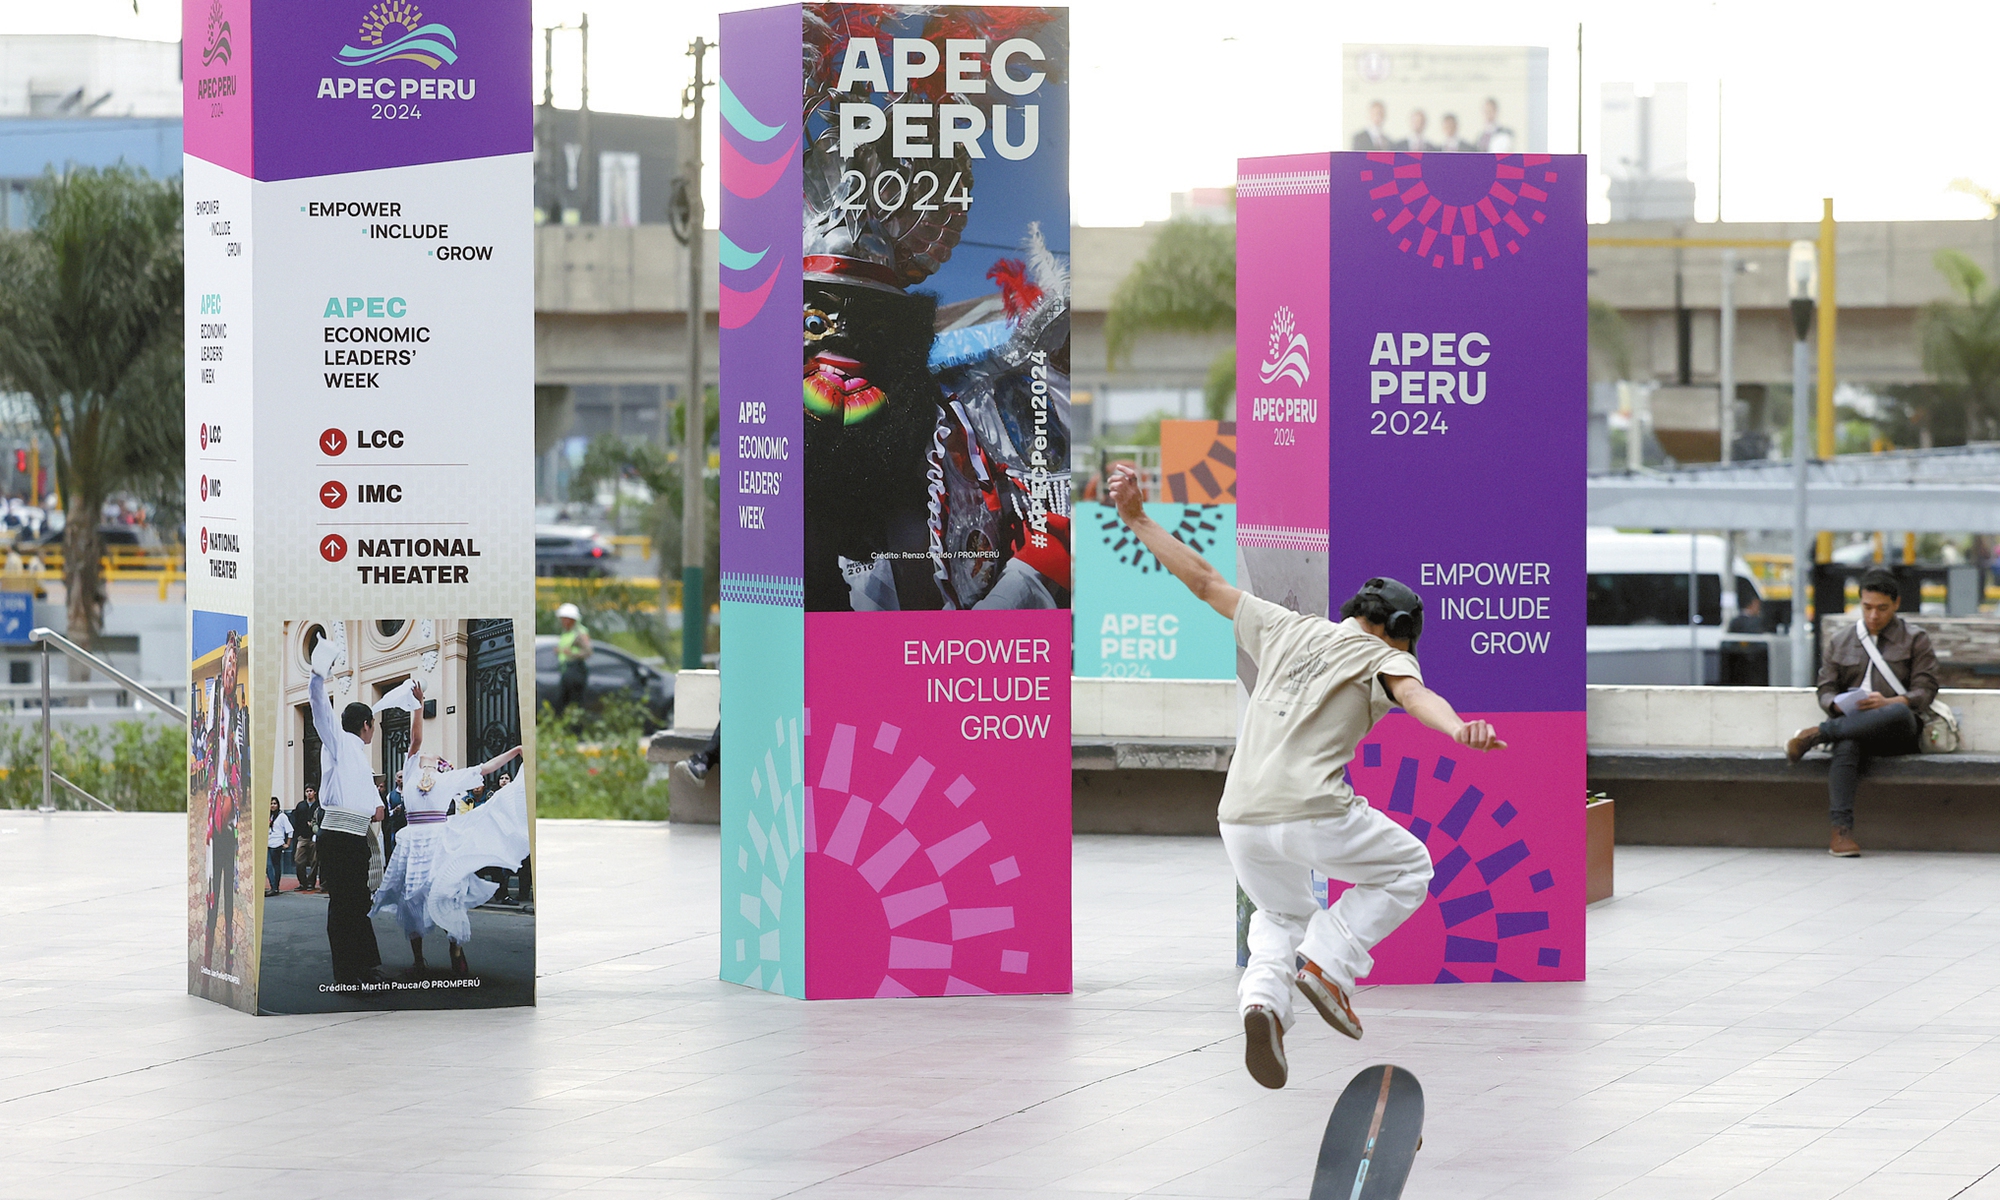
(1418, 99)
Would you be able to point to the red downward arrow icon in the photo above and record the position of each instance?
(333, 442)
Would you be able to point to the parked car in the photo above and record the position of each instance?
(572, 550)
(611, 670)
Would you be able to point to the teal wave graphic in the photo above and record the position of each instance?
(736, 258)
(427, 43)
(741, 119)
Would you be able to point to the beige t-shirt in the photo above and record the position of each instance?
(1319, 691)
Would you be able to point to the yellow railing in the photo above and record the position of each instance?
(164, 565)
(553, 589)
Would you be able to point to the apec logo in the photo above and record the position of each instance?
(396, 31)
(1287, 355)
(216, 49)
(430, 44)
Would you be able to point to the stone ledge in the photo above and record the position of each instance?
(1087, 753)
(1707, 764)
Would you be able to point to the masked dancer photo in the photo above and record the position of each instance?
(226, 751)
(937, 437)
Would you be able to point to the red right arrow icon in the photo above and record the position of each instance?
(333, 493)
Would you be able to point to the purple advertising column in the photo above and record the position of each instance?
(896, 533)
(1418, 375)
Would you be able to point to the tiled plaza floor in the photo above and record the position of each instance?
(1757, 1023)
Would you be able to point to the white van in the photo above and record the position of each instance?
(1638, 606)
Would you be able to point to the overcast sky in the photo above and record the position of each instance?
(1168, 93)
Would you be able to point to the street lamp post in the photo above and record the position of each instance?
(1802, 285)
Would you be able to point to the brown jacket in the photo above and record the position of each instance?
(1905, 647)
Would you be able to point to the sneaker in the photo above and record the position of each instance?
(1264, 1046)
(1330, 999)
(1844, 845)
(1802, 741)
(692, 770)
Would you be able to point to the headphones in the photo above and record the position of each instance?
(1406, 608)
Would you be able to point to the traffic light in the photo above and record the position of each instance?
(21, 462)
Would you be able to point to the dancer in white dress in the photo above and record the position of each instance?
(431, 876)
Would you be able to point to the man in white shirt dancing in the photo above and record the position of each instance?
(348, 803)
(1287, 809)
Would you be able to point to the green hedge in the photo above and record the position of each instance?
(594, 764)
(134, 766)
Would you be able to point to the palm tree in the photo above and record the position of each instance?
(1185, 284)
(1962, 339)
(610, 458)
(90, 330)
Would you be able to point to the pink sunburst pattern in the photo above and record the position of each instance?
(1458, 210)
(937, 864)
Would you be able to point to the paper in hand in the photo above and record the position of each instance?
(399, 697)
(323, 657)
(1849, 703)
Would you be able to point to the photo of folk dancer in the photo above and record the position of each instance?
(432, 877)
(1287, 809)
(349, 805)
(371, 715)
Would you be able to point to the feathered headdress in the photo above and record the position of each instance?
(873, 219)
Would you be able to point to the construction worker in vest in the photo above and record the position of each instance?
(572, 656)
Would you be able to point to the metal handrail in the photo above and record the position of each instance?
(48, 637)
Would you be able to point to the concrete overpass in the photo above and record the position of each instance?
(611, 314)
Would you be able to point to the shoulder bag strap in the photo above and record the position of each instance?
(1882, 668)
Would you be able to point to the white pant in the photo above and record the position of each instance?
(1389, 868)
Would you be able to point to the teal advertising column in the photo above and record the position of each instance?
(895, 501)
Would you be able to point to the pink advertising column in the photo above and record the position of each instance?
(1412, 356)
(895, 533)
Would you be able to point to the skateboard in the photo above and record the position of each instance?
(1372, 1137)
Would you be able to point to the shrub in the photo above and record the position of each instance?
(134, 766)
(594, 764)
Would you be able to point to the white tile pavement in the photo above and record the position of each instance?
(1757, 1024)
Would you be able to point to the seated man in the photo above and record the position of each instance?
(1885, 721)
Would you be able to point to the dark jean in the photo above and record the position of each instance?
(274, 865)
(1877, 733)
(711, 753)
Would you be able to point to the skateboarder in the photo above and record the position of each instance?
(1287, 809)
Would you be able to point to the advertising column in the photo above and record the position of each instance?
(1431, 359)
(360, 440)
(896, 533)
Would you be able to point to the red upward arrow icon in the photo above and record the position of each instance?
(333, 547)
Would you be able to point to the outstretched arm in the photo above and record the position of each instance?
(1190, 568)
(499, 760)
(1435, 711)
(416, 720)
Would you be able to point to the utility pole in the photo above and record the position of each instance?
(694, 438)
(1726, 351)
(1579, 87)
(587, 177)
(1829, 310)
(1802, 286)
